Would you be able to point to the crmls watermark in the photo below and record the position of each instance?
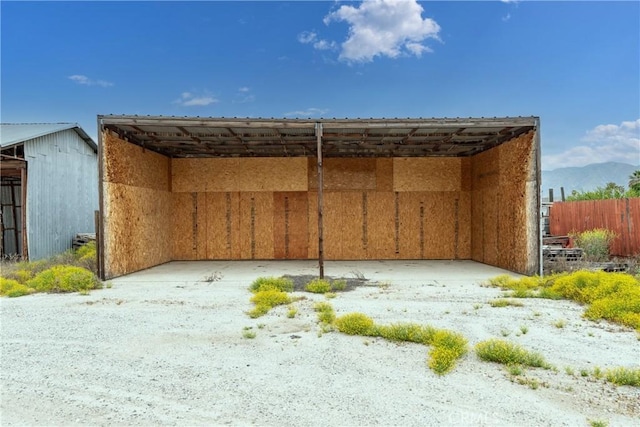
(471, 418)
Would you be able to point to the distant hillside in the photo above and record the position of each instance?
(586, 178)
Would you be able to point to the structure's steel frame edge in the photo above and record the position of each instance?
(100, 232)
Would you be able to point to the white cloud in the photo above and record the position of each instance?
(86, 81)
(188, 99)
(384, 28)
(309, 112)
(506, 17)
(243, 96)
(310, 37)
(604, 143)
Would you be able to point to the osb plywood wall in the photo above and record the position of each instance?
(502, 214)
(159, 209)
(372, 209)
(137, 207)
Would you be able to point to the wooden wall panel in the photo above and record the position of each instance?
(126, 163)
(138, 228)
(431, 232)
(255, 235)
(384, 174)
(344, 174)
(312, 198)
(381, 225)
(290, 225)
(427, 174)
(409, 225)
(333, 225)
(490, 237)
(477, 225)
(464, 226)
(352, 225)
(239, 174)
(184, 240)
(219, 225)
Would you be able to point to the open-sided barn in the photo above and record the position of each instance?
(351, 189)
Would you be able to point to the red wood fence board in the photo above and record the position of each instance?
(621, 216)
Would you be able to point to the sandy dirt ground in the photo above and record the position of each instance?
(165, 346)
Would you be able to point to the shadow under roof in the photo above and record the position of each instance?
(184, 137)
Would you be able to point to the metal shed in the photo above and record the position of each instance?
(49, 174)
(196, 188)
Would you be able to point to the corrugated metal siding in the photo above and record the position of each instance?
(62, 191)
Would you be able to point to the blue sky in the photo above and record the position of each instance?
(576, 65)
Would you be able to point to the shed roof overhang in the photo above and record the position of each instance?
(186, 137)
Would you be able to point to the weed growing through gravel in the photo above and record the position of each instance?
(501, 302)
(291, 313)
(266, 300)
(446, 346)
(610, 296)
(508, 353)
(326, 315)
(598, 423)
(560, 323)
(248, 333)
(524, 329)
(623, 376)
(324, 286)
(271, 283)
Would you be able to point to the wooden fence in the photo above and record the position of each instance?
(622, 216)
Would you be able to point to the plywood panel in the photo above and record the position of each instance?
(138, 230)
(352, 232)
(129, 164)
(218, 227)
(256, 225)
(384, 174)
(184, 225)
(239, 174)
(333, 224)
(463, 247)
(312, 197)
(431, 234)
(426, 174)
(490, 220)
(344, 174)
(409, 225)
(290, 225)
(381, 225)
(485, 170)
(466, 178)
(477, 225)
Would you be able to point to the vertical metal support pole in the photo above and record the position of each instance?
(320, 202)
(23, 201)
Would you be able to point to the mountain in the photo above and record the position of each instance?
(586, 178)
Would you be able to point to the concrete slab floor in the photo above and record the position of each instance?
(396, 271)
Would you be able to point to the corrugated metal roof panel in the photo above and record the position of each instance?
(16, 133)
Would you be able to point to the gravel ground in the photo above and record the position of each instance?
(165, 347)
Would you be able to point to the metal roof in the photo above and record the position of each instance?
(16, 133)
(257, 137)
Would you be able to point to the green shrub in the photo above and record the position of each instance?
(594, 243)
(87, 252)
(339, 285)
(507, 353)
(410, 332)
(354, 324)
(318, 286)
(447, 348)
(12, 288)
(623, 376)
(501, 302)
(271, 283)
(270, 298)
(325, 312)
(610, 296)
(64, 278)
